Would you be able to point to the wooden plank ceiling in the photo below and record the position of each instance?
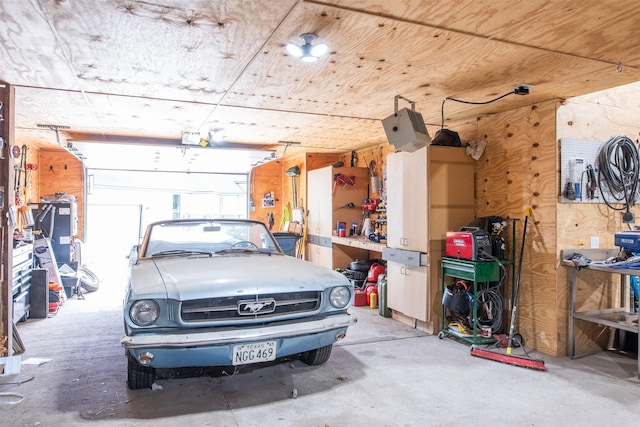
(151, 70)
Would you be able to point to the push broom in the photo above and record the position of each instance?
(511, 359)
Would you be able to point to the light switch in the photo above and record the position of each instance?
(595, 242)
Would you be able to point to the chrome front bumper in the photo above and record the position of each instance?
(198, 339)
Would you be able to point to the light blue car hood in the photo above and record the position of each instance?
(183, 278)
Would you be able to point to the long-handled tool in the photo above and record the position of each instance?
(525, 362)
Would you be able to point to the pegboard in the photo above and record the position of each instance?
(575, 156)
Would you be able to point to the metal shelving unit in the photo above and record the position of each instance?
(618, 316)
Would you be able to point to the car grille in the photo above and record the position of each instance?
(234, 308)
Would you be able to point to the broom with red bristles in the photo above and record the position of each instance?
(522, 361)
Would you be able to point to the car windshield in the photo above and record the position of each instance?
(208, 237)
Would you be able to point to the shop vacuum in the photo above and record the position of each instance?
(522, 361)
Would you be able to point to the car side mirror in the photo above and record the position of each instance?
(133, 254)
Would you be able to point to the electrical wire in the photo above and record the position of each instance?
(470, 102)
(489, 310)
(618, 165)
(490, 298)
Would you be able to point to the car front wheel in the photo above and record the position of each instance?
(139, 376)
(317, 356)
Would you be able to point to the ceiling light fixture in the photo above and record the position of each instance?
(308, 52)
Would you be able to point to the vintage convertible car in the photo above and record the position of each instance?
(221, 292)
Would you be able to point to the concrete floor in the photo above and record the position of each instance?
(384, 373)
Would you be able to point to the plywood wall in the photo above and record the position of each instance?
(595, 117)
(61, 172)
(273, 176)
(264, 179)
(521, 168)
(518, 171)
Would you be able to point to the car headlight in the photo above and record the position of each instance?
(339, 296)
(144, 312)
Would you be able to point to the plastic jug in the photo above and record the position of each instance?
(371, 288)
(373, 299)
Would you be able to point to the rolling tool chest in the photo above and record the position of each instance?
(21, 281)
(480, 274)
(473, 288)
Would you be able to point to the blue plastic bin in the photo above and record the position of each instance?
(287, 241)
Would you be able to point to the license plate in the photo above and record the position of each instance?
(254, 353)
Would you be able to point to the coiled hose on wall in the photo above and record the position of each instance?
(618, 165)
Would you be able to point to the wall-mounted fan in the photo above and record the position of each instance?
(475, 149)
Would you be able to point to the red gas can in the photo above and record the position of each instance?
(360, 298)
(374, 271)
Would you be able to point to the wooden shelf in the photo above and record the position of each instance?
(618, 318)
(358, 242)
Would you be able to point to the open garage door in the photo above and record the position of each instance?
(120, 204)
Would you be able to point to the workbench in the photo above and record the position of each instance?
(620, 317)
(358, 242)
